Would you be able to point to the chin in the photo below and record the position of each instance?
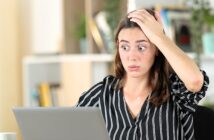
(135, 75)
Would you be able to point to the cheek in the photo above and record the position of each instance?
(151, 60)
(122, 55)
(123, 58)
(148, 60)
(151, 55)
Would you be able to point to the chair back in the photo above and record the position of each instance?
(204, 123)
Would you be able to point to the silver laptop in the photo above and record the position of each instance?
(61, 123)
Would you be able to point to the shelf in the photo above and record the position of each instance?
(63, 58)
(74, 74)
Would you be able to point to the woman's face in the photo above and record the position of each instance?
(136, 52)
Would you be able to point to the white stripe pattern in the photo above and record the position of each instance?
(172, 120)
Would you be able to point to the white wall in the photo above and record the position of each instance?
(150, 3)
(47, 26)
(212, 3)
(10, 64)
(137, 4)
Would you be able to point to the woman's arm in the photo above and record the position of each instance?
(183, 65)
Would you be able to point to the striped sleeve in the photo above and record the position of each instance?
(185, 99)
(91, 97)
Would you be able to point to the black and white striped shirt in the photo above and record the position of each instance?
(170, 121)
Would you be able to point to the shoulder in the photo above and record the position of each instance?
(109, 78)
(111, 81)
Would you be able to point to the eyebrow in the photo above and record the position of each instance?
(124, 41)
(138, 41)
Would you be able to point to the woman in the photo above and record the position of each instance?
(156, 86)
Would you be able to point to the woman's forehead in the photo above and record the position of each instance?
(132, 34)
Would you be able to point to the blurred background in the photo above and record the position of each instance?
(53, 50)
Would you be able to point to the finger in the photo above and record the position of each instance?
(144, 11)
(158, 17)
(142, 14)
(137, 20)
(138, 15)
(132, 12)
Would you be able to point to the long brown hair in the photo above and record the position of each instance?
(159, 72)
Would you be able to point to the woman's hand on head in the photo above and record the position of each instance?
(152, 27)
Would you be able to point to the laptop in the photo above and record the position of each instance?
(61, 123)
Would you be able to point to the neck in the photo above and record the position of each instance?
(137, 86)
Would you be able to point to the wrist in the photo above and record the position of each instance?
(161, 40)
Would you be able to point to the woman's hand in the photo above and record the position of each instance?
(152, 27)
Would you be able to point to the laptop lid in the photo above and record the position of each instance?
(61, 123)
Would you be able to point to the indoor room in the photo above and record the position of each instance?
(54, 51)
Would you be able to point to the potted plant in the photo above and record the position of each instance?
(202, 20)
(79, 32)
(112, 7)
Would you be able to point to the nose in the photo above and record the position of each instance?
(133, 54)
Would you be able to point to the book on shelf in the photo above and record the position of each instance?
(54, 90)
(105, 31)
(96, 35)
(34, 97)
(101, 32)
(176, 22)
(46, 94)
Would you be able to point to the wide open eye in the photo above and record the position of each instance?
(125, 47)
(142, 47)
